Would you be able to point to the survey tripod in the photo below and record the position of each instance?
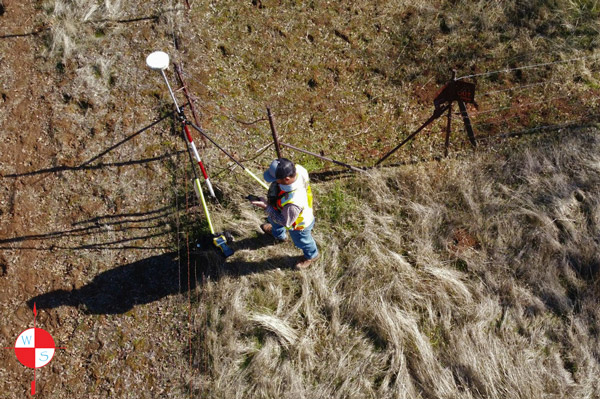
(454, 91)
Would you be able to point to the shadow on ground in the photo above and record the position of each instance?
(134, 227)
(119, 289)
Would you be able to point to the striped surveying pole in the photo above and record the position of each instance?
(190, 141)
(160, 61)
(198, 188)
(245, 169)
(219, 239)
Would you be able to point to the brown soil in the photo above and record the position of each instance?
(76, 242)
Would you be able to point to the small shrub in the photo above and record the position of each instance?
(337, 206)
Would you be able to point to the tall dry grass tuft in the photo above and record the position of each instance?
(68, 20)
(461, 278)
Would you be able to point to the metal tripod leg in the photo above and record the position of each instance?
(436, 114)
(448, 130)
(467, 120)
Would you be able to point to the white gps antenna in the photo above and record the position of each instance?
(159, 61)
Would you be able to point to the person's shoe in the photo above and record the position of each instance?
(305, 263)
(267, 228)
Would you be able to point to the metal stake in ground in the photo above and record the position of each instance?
(159, 61)
(179, 74)
(436, 114)
(454, 90)
(274, 132)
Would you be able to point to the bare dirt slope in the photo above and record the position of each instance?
(81, 221)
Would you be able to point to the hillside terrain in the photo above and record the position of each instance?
(468, 276)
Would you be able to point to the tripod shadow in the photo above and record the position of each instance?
(87, 165)
(112, 232)
(118, 290)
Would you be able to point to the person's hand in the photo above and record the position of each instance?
(262, 203)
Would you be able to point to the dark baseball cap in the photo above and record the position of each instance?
(279, 169)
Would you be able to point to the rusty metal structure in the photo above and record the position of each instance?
(454, 91)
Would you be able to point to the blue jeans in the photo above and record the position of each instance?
(301, 238)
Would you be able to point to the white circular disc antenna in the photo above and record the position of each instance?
(158, 60)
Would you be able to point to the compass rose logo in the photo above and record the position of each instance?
(34, 348)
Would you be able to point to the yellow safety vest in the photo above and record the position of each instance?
(303, 199)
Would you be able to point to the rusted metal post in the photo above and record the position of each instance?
(448, 130)
(469, 97)
(179, 73)
(449, 125)
(274, 132)
(323, 158)
(436, 114)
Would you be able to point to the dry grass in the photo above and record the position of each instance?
(402, 306)
(348, 79)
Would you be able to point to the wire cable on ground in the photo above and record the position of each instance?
(549, 100)
(586, 119)
(486, 125)
(517, 88)
(526, 67)
(537, 84)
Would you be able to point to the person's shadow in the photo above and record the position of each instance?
(119, 289)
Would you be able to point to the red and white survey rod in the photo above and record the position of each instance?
(160, 61)
(190, 142)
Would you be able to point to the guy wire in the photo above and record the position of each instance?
(526, 67)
